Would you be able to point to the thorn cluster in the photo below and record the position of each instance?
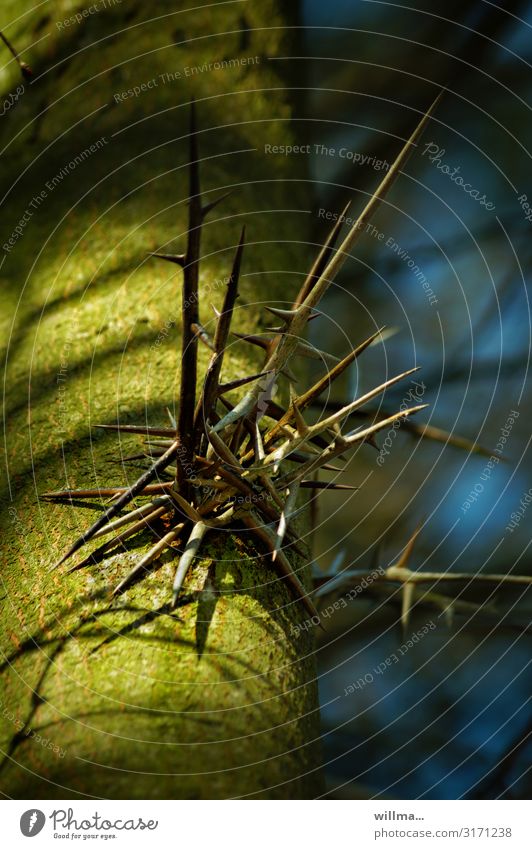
(226, 465)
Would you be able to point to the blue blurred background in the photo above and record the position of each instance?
(453, 717)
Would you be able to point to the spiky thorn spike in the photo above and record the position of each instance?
(312, 484)
(210, 389)
(407, 602)
(186, 508)
(315, 391)
(258, 445)
(223, 388)
(287, 316)
(288, 509)
(284, 348)
(25, 69)
(133, 515)
(234, 478)
(144, 430)
(140, 525)
(148, 558)
(177, 259)
(259, 341)
(190, 312)
(337, 260)
(203, 336)
(191, 549)
(301, 425)
(285, 449)
(322, 259)
(408, 549)
(237, 436)
(109, 492)
(208, 207)
(122, 501)
(313, 353)
(336, 448)
(282, 563)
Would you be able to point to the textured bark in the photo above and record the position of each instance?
(218, 699)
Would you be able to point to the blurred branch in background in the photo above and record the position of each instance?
(439, 722)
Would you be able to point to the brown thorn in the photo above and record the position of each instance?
(158, 548)
(210, 386)
(202, 335)
(322, 259)
(282, 563)
(121, 502)
(208, 207)
(259, 341)
(177, 259)
(235, 384)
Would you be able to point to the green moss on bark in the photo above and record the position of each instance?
(219, 698)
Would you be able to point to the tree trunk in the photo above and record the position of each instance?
(218, 698)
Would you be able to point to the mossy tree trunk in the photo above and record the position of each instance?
(217, 699)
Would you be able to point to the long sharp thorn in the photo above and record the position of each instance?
(337, 260)
(177, 259)
(306, 398)
(336, 371)
(212, 378)
(259, 341)
(142, 429)
(409, 547)
(302, 427)
(105, 492)
(186, 508)
(350, 439)
(312, 484)
(208, 207)
(191, 549)
(122, 501)
(287, 315)
(222, 450)
(287, 447)
(406, 604)
(282, 563)
(190, 312)
(288, 509)
(140, 525)
(25, 69)
(281, 352)
(133, 515)
(259, 446)
(335, 449)
(203, 336)
(235, 384)
(313, 353)
(148, 558)
(322, 258)
(237, 437)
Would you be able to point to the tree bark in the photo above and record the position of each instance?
(217, 699)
